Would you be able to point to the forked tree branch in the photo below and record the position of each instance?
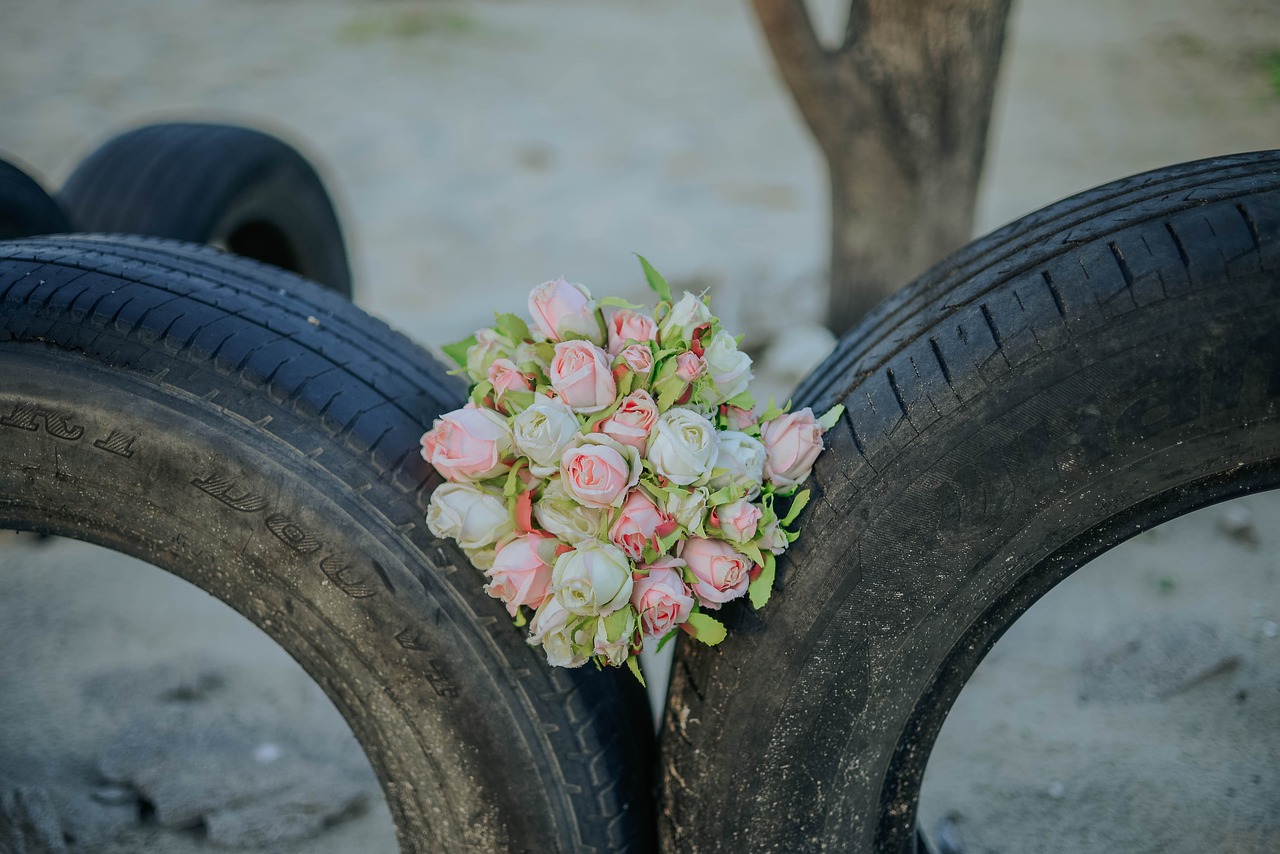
(806, 66)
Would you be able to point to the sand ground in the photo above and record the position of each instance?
(476, 148)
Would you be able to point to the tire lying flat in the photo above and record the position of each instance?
(258, 436)
(238, 188)
(1075, 378)
(25, 208)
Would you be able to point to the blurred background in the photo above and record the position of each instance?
(475, 148)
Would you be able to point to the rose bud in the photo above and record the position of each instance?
(468, 444)
(721, 573)
(555, 629)
(580, 374)
(593, 579)
(662, 598)
(561, 514)
(542, 432)
(792, 442)
(490, 345)
(521, 571)
(633, 420)
(599, 471)
(625, 325)
(473, 516)
(638, 524)
(737, 520)
(638, 357)
(742, 458)
(614, 635)
(561, 310)
(728, 367)
(685, 316)
(682, 446)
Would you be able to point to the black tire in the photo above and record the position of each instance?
(25, 208)
(1079, 376)
(233, 187)
(258, 436)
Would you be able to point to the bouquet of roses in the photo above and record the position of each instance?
(609, 472)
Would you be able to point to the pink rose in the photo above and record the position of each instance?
(791, 442)
(721, 573)
(468, 444)
(580, 375)
(737, 417)
(521, 571)
(639, 524)
(561, 310)
(598, 472)
(633, 420)
(662, 598)
(626, 325)
(689, 367)
(638, 357)
(506, 377)
(737, 520)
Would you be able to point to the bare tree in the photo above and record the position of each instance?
(900, 110)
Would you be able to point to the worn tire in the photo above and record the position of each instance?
(1077, 377)
(25, 208)
(234, 187)
(258, 436)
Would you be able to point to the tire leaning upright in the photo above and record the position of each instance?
(234, 187)
(1077, 377)
(25, 208)
(258, 436)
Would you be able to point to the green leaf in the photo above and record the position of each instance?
(615, 623)
(773, 410)
(706, 628)
(659, 284)
(520, 619)
(666, 639)
(831, 416)
(618, 302)
(480, 392)
(723, 495)
(633, 664)
(512, 487)
(458, 350)
(513, 327)
(797, 504)
(743, 400)
(665, 543)
(761, 589)
(752, 551)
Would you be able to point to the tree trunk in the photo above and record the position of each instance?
(900, 111)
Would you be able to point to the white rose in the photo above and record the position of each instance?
(682, 446)
(688, 507)
(593, 579)
(613, 635)
(728, 367)
(553, 627)
(771, 538)
(542, 432)
(490, 345)
(559, 513)
(474, 516)
(685, 316)
(742, 457)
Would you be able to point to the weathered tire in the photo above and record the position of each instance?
(237, 188)
(1077, 377)
(257, 436)
(25, 208)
